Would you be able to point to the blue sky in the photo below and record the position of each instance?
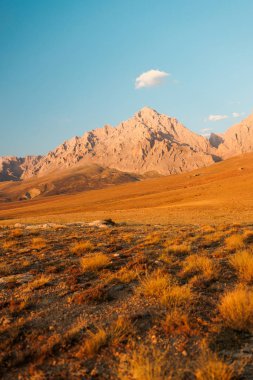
(67, 66)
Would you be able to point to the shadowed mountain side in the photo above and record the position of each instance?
(217, 194)
(79, 178)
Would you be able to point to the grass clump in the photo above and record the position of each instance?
(143, 363)
(161, 288)
(93, 343)
(243, 264)
(38, 282)
(199, 265)
(95, 262)
(235, 241)
(210, 367)
(236, 309)
(82, 247)
(38, 243)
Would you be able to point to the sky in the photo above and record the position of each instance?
(69, 66)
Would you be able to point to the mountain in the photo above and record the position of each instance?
(148, 142)
(236, 140)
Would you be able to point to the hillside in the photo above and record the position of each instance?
(217, 194)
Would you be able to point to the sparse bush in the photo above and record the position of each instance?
(235, 241)
(16, 233)
(93, 343)
(176, 322)
(178, 248)
(143, 363)
(38, 243)
(210, 367)
(82, 247)
(243, 264)
(95, 262)
(38, 282)
(196, 264)
(236, 309)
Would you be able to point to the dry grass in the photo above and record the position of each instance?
(235, 241)
(93, 343)
(178, 248)
(243, 264)
(82, 247)
(236, 309)
(210, 367)
(176, 322)
(124, 275)
(38, 282)
(143, 363)
(95, 262)
(8, 244)
(16, 233)
(164, 290)
(199, 265)
(120, 330)
(38, 243)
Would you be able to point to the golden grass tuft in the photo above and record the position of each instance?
(236, 309)
(93, 343)
(164, 290)
(176, 322)
(94, 262)
(16, 233)
(38, 243)
(235, 241)
(143, 363)
(178, 248)
(196, 264)
(210, 367)
(243, 264)
(82, 247)
(38, 282)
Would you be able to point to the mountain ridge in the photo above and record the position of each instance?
(147, 142)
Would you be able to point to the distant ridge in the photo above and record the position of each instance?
(147, 142)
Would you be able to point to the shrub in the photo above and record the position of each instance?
(236, 309)
(95, 262)
(243, 264)
(38, 243)
(234, 241)
(82, 247)
(93, 343)
(210, 367)
(196, 264)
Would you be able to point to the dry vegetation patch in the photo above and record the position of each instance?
(236, 309)
(242, 262)
(94, 262)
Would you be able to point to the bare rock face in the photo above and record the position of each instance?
(149, 142)
(236, 140)
(14, 168)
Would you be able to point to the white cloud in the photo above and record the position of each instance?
(150, 78)
(217, 117)
(238, 114)
(205, 130)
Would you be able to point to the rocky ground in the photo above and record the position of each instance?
(103, 301)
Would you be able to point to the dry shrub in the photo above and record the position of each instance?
(196, 264)
(82, 247)
(161, 288)
(8, 244)
(38, 243)
(38, 282)
(143, 363)
(125, 275)
(153, 239)
(93, 343)
(236, 309)
(95, 262)
(235, 241)
(176, 322)
(178, 248)
(16, 233)
(120, 330)
(210, 367)
(243, 263)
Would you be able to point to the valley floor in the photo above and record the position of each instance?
(126, 302)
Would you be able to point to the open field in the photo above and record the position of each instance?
(221, 193)
(126, 302)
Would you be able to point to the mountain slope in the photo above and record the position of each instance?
(147, 142)
(236, 140)
(220, 193)
(68, 181)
